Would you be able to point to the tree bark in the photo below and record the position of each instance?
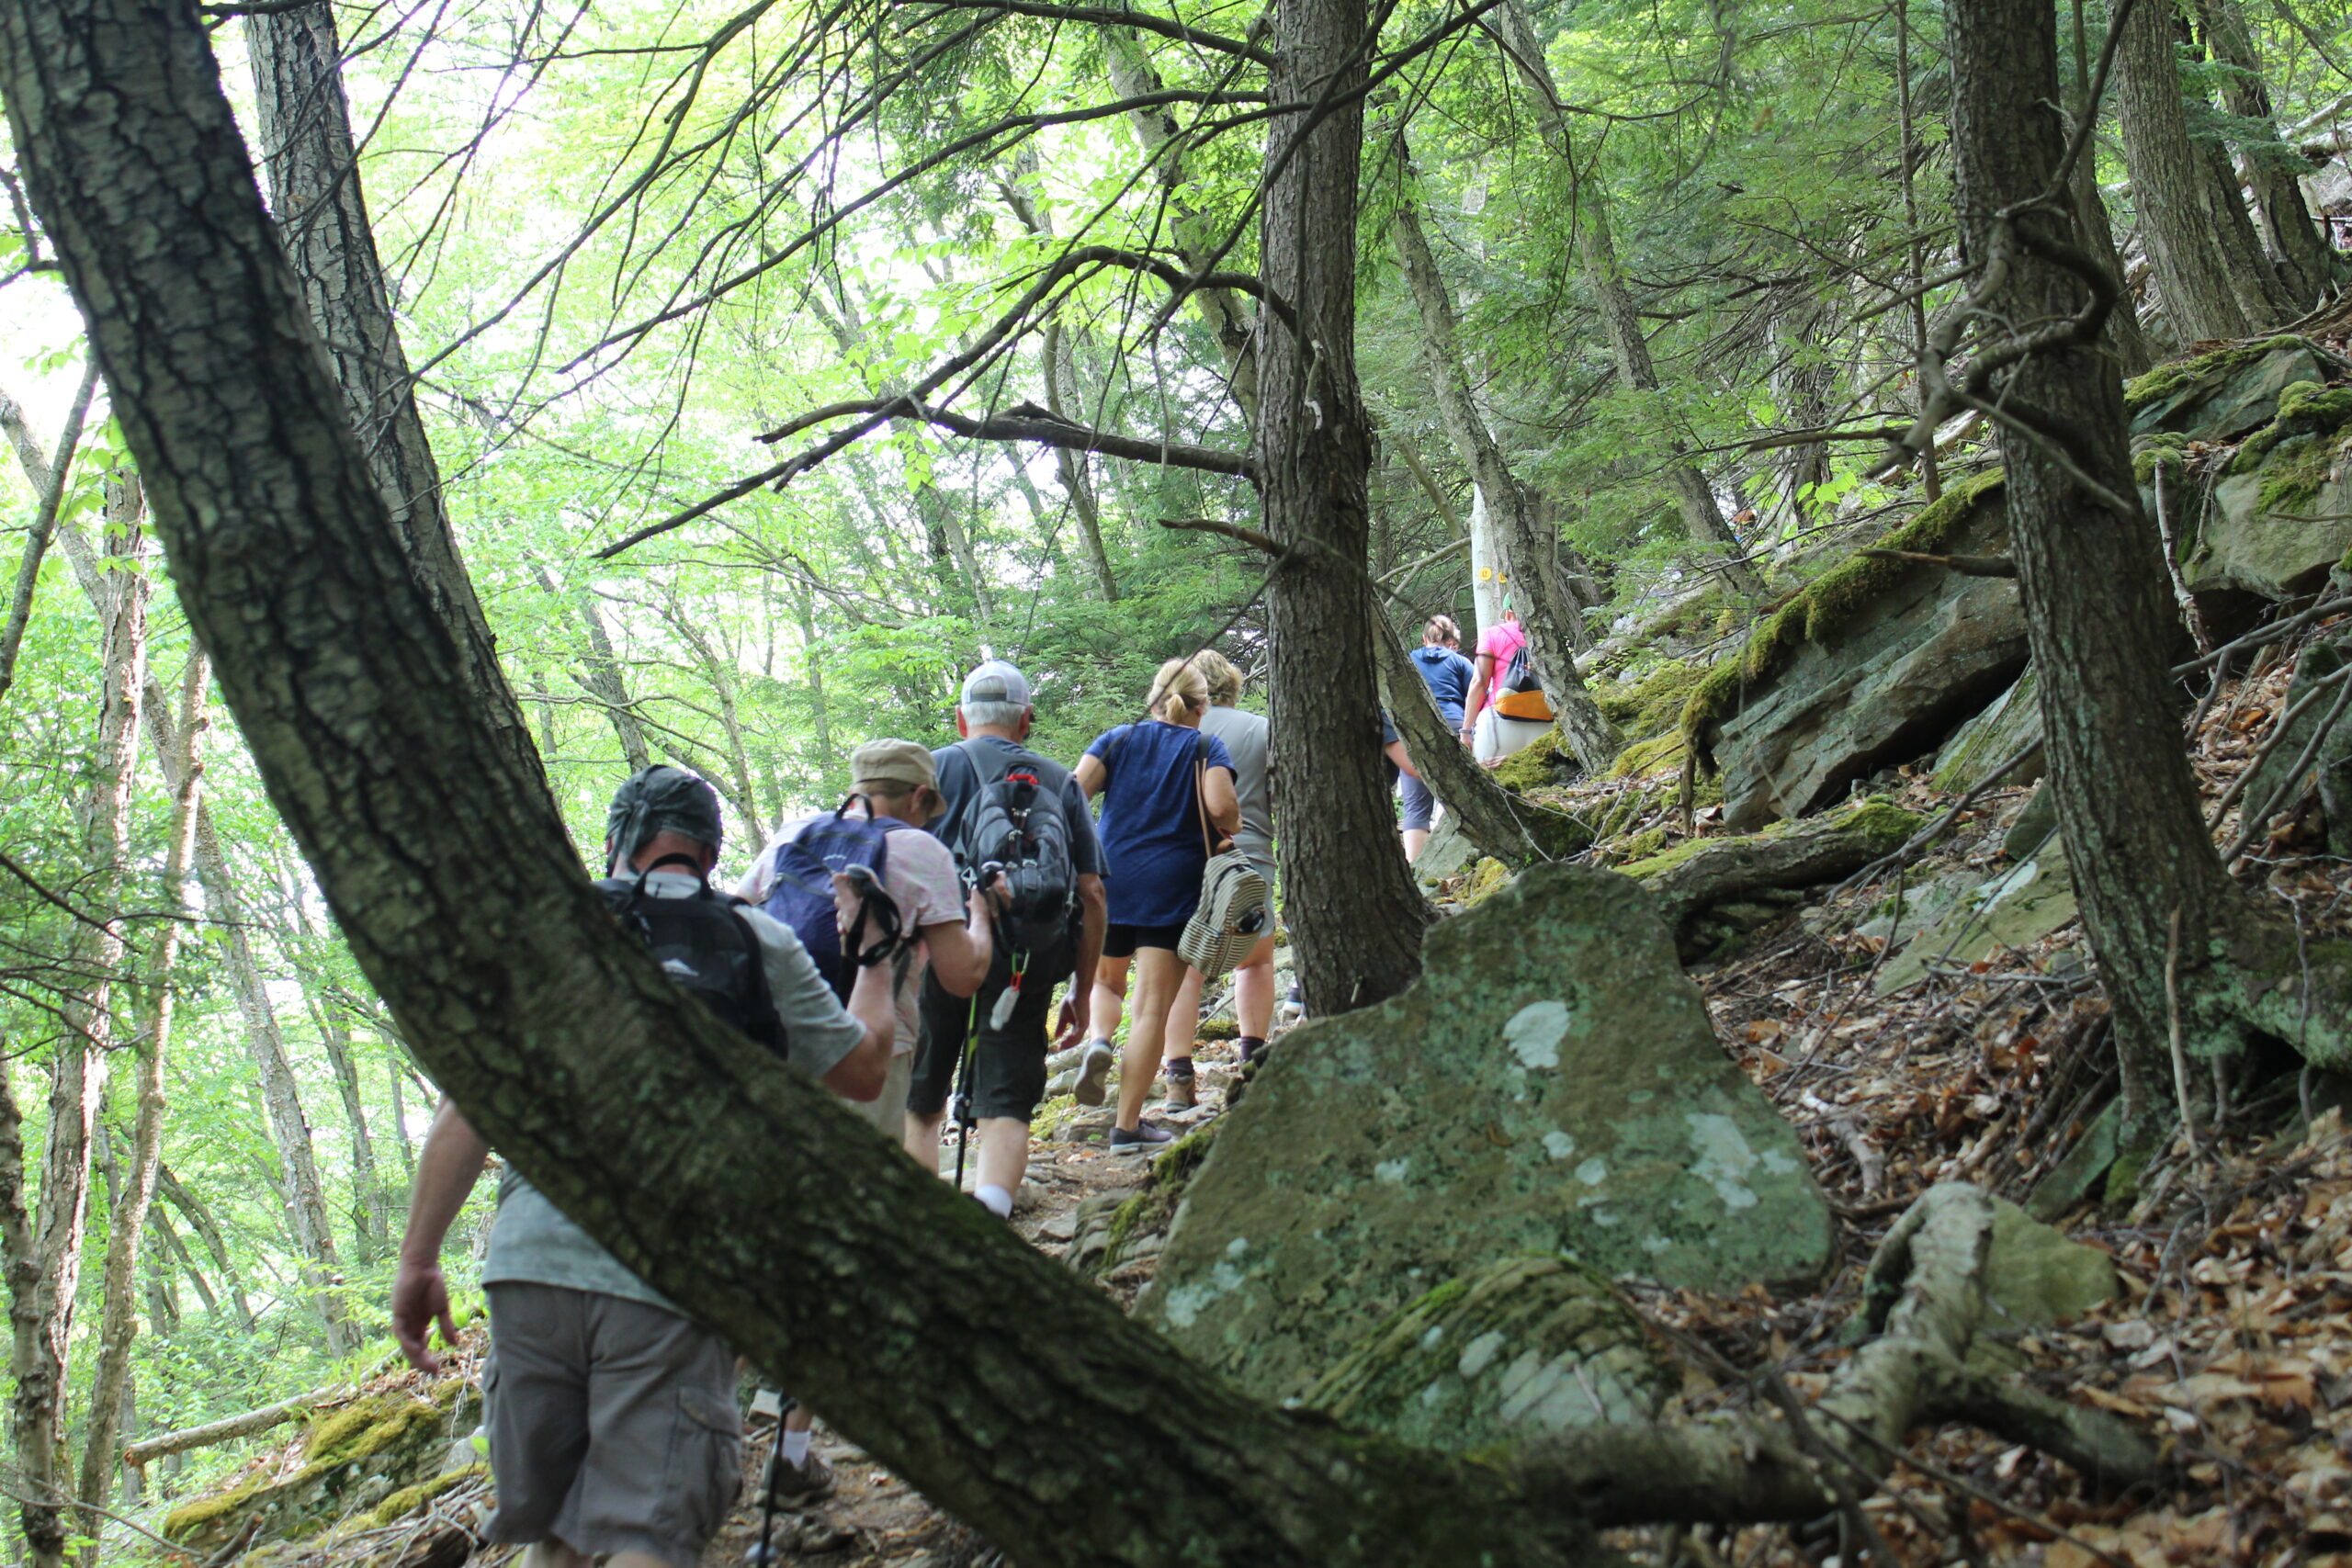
(600, 676)
(2214, 280)
(1077, 480)
(303, 122)
(1596, 250)
(1358, 917)
(2307, 264)
(1548, 607)
(127, 1219)
(1228, 315)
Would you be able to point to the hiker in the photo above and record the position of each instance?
(611, 1418)
(1168, 804)
(1448, 675)
(1491, 732)
(944, 928)
(1244, 735)
(1044, 943)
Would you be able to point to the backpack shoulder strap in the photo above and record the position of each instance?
(763, 997)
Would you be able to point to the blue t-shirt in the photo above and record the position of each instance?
(1448, 676)
(1151, 826)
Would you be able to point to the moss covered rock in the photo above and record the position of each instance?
(2281, 517)
(1873, 664)
(1521, 1347)
(353, 1456)
(2227, 393)
(2011, 723)
(1541, 763)
(1551, 1084)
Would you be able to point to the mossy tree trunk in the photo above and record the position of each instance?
(2307, 264)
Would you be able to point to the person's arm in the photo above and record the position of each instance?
(1224, 806)
(960, 954)
(1090, 775)
(1078, 1007)
(447, 1169)
(1396, 752)
(859, 1074)
(1482, 671)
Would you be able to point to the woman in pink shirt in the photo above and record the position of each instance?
(1490, 736)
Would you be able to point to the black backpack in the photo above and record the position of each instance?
(1013, 824)
(704, 943)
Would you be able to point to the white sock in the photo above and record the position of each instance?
(796, 1446)
(997, 1200)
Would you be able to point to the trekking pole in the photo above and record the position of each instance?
(960, 1105)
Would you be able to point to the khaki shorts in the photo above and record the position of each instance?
(612, 1424)
(887, 1113)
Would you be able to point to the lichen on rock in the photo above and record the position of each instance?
(1550, 1084)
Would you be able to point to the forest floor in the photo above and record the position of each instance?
(2232, 1340)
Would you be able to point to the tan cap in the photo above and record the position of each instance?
(894, 761)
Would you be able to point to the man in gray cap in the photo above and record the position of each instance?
(612, 1422)
(1009, 1050)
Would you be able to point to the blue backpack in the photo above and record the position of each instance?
(802, 896)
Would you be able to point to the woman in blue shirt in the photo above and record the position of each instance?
(1448, 676)
(1167, 797)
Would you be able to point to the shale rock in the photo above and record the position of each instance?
(2012, 723)
(2282, 515)
(1875, 663)
(1551, 1084)
(2228, 393)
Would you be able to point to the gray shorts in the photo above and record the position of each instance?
(612, 1425)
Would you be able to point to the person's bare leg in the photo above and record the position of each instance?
(629, 1560)
(1253, 990)
(555, 1554)
(1158, 974)
(1110, 996)
(1184, 1018)
(1414, 838)
(923, 1139)
(1002, 1155)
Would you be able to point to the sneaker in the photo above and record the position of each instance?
(1143, 1140)
(797, 1485)
(1181, 1093)
(1094, 1073)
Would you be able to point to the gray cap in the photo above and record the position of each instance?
(997, 682)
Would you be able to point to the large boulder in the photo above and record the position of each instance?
(1551, 1084)
(1871, 665)
(2009, 724)
(2282, 515)
(2229, 392)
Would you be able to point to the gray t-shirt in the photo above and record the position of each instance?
(532, 1243)
(1244, 735)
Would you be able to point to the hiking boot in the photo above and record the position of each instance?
(1182, 1094)
(797, 1485)
(1095, 1072)
(1143, 1140)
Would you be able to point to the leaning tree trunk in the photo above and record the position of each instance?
(1544, 599)
(1702, 519)
(303, 122)
(2307, 264)
(118, 1317)
(2100, 616)
(2214, 280)
(1357, 916)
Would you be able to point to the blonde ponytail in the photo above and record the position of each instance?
(1179, 692)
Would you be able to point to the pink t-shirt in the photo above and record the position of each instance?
(1500, 640)
(918, 874)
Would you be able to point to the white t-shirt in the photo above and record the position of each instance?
(918, 873)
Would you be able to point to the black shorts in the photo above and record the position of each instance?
(1121, 941)
(1008, 1064)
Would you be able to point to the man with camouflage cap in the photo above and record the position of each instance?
(612, 1421)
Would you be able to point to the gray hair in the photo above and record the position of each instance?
(993, 714)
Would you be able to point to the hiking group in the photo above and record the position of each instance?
(904, 950)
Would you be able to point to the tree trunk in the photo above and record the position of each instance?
(601, 675)
(1358, 915)
(1694, 496)
(1547, 605)
(303, 125)
(1195, 232)
(371, 1208)
(2099, 607)
(1078, 482)
(2307, 264)
(119, 1318)
(2213, 278)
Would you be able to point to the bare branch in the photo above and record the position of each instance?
(1105, 16)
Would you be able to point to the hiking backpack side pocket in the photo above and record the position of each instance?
(801, 896)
